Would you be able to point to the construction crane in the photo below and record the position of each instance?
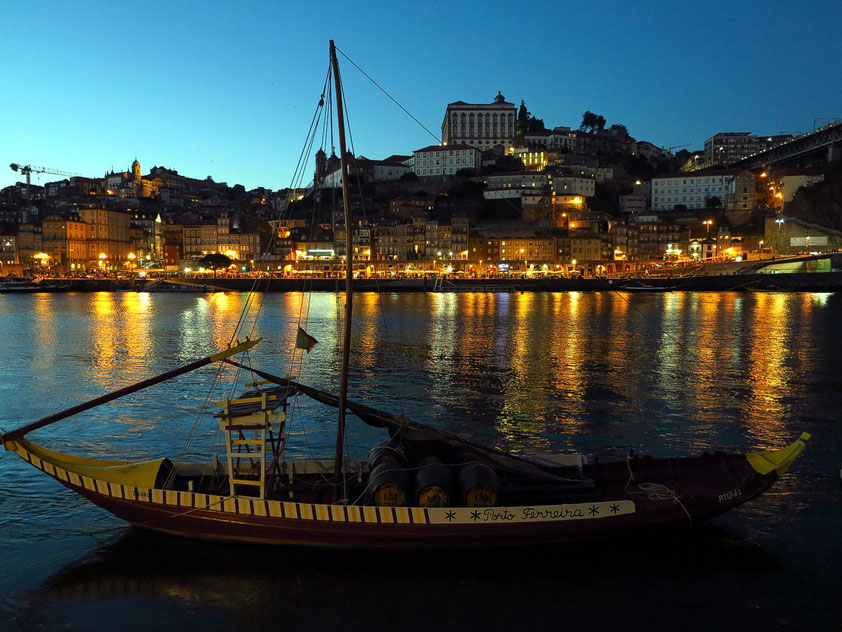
(669, 149)
(28, 170)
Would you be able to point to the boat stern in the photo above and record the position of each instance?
(778, 460)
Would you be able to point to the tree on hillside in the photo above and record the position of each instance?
(618, 129)
(713, 202)
(535, 125)
(507, 163)
(592, 122)
(465, 188)
(638, 167)
(526, 122)
(522, 120)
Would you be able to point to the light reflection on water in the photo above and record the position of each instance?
(666, 374)
(510, 368)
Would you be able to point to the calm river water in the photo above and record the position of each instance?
(664, 374)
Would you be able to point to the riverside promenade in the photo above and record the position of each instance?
(804, 282)
(809, 273)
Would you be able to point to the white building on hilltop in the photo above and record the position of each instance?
(440, 160)
(482, 125)
(691, 190)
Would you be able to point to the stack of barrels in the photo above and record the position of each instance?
(431, 483)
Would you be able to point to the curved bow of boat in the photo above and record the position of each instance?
(778, 460)
(144, 474)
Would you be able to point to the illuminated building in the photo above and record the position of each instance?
(65, 239)
(440, 160)
(692, 190)
(480, 125)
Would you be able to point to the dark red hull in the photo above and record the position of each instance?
(639, 494)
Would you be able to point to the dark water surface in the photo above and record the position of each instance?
(665, 374)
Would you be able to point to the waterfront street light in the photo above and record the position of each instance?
(779, 221)
(707, 224)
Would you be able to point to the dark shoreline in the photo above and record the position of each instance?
(806, 282)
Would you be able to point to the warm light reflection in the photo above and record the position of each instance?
(770, 368)
(523, 371)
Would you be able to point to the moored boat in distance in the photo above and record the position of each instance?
(22, 285)
(640, 286)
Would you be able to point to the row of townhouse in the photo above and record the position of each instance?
(588, 238)
(415, 240)
(68, 242)
(218, 236)
(523, 251)
(99, 238)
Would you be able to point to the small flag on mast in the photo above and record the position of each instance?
(305, 341)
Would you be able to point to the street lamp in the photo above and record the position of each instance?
(707, 224)
(779, 221)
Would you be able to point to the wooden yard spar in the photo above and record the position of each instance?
(127, 390)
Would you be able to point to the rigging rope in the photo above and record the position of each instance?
(254, 297)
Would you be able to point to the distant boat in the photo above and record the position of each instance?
(420, 488)
(172, 286)
(18, 285)
(640, 286)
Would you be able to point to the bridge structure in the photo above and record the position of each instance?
(828, 137)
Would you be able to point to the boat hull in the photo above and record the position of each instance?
(637, 494)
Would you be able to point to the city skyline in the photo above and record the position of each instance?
(213, 90)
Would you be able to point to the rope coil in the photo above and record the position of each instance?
(655, 491)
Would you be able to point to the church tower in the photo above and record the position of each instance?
(321, 167)
(136, 171)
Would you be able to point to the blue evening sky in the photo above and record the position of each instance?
(227, 89)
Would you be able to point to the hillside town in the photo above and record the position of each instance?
(500, 193)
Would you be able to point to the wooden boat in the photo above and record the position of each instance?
(640, 286)
(420, 488)
(12, 285)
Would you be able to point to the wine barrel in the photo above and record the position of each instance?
(433, 484)
(388, 485)
(478, 485)
(383, 453)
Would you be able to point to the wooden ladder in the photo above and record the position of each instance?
(249, 424)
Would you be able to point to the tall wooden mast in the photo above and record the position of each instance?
(349, 278)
